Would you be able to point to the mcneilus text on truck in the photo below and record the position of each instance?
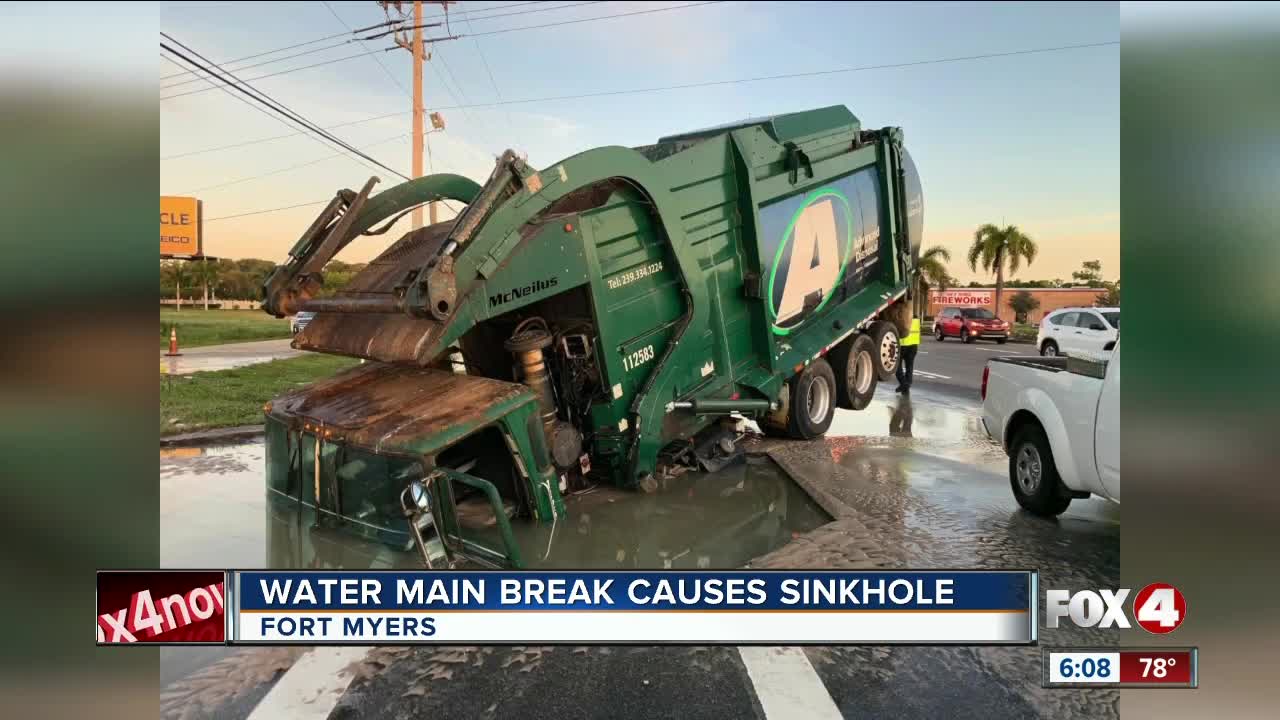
(594, 321)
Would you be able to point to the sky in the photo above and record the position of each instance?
(1029, 139)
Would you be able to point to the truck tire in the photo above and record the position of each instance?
(1033, 475)
(854, 362)
(937, 333)
(888, 349)
(808, 405)
(965, 337)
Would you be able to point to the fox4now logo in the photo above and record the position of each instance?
(1158, 608)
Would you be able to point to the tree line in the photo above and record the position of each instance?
(201, 281)
(996, 249)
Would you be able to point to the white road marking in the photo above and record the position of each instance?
(1001, 351)
(931, 375)
(787, 684)
(312, 687)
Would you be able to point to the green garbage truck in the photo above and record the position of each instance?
(598, 320)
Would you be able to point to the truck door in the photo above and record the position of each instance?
(1106, 446)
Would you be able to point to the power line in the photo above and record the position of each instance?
(283, 72)
(712, 83)
(458, 105)
(278, 171)
(305, 43)
(362, 44)
(268, 210)
(255, 107)
(522, 12)
(593, 19)
(261, 54)
(180, 83)
(455, 37)
(263, 98)
(482, 10)
(350, 31)
(790, 76)
(485, 62)
(276, 137)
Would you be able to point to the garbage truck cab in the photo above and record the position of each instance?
(594, 321)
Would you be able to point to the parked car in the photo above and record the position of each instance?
(970, 324)
(1090, 332)
(1059, 421)
(299, 321)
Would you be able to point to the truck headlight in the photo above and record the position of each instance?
(418, 496)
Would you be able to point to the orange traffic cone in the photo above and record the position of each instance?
(173, 342)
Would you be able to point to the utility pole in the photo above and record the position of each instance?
(417, 110)
(418, 47)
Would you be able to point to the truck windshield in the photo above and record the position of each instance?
(1113, 318)
(978, 314)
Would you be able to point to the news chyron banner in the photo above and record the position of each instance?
(574, 607)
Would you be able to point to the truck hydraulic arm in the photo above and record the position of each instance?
(298, 279)
(293, 285)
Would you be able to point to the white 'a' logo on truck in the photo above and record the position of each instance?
(815, 259)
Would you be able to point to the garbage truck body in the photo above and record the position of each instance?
(601, 320)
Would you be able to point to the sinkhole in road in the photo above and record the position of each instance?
(213, 506)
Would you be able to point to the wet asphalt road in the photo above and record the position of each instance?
(908, 483)
(951, 366)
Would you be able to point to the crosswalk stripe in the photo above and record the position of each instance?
(312, 687)
(787, 685)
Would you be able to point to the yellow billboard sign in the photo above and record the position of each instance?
(180, 224)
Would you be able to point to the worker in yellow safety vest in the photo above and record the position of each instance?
(909, 345)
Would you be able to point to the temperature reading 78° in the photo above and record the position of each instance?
(1156, 667)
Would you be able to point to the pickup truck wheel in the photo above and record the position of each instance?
(1034, 477)
(1049, 349)
(965, 337)
(809, 404)
(885, 337)
(937, 333)
(855, 365)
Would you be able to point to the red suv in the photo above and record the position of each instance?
(970, 324)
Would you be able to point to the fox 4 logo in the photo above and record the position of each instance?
(1158, 608)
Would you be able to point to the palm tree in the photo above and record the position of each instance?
(932, 274)
(993, 247)
(180, 274)
(205, 273)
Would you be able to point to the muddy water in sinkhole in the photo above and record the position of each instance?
(214, 514)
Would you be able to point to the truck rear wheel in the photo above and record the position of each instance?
(854, 361)
(1034, 477)
(809, 404)
(885, 337)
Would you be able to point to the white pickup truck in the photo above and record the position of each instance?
(1059, 421)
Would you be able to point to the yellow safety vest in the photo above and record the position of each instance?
(913, 337)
